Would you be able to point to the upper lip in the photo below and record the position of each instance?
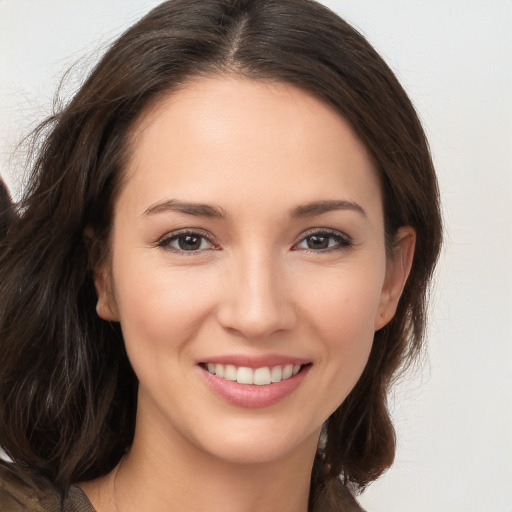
(255, 361)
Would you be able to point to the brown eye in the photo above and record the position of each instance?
(189, 242)
(324, 241)
(317, 242)
(186, 242)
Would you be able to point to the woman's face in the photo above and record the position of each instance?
(247, 246)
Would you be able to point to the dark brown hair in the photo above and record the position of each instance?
(7, 214)
(67, 391)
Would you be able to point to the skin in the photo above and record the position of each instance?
(256, 152)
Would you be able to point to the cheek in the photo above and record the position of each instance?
(341, 317)
(345, 304)
(161, 309)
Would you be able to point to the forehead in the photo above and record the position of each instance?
(221, 134)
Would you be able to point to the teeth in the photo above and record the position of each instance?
(243, 375)
(276, 374)
(287, 371)
(259, 376)
(230, 372)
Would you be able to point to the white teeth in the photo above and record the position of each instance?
(230, 372)
(243, 375)
(287, 371)
(258, 376)
(276, 374)
(261, 376)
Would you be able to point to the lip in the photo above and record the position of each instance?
(251, 395)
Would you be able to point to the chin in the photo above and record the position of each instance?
(260, 444)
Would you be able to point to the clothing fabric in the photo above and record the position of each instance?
(39, 495)
(18, 495)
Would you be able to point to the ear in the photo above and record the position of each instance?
(106, 307)
(398, 268)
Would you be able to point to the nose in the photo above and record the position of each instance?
(256, 301)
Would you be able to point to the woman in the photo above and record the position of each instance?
(220, 263)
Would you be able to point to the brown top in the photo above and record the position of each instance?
(16, 495)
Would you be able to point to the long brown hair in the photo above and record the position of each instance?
(67, 391)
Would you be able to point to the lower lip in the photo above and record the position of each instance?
(252, 395)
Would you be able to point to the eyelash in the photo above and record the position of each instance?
(341, 240)
(165, 243)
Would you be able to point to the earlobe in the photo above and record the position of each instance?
(105, 307)
(398, 269)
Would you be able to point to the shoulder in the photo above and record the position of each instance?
(20, 493)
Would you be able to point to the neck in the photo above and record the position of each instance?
(164, 472)
(213, 488)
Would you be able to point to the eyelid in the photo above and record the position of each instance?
(344, 241)
(164, 241)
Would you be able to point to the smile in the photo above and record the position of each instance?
(257, 386)
(257, 376)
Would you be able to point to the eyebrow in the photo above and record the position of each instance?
(197, 209)
(206, 210)
(319, 207)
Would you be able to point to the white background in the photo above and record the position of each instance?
(454, 57)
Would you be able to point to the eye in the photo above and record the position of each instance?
(187, 241)
(324, 241)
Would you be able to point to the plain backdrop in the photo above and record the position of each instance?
(454, 57)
